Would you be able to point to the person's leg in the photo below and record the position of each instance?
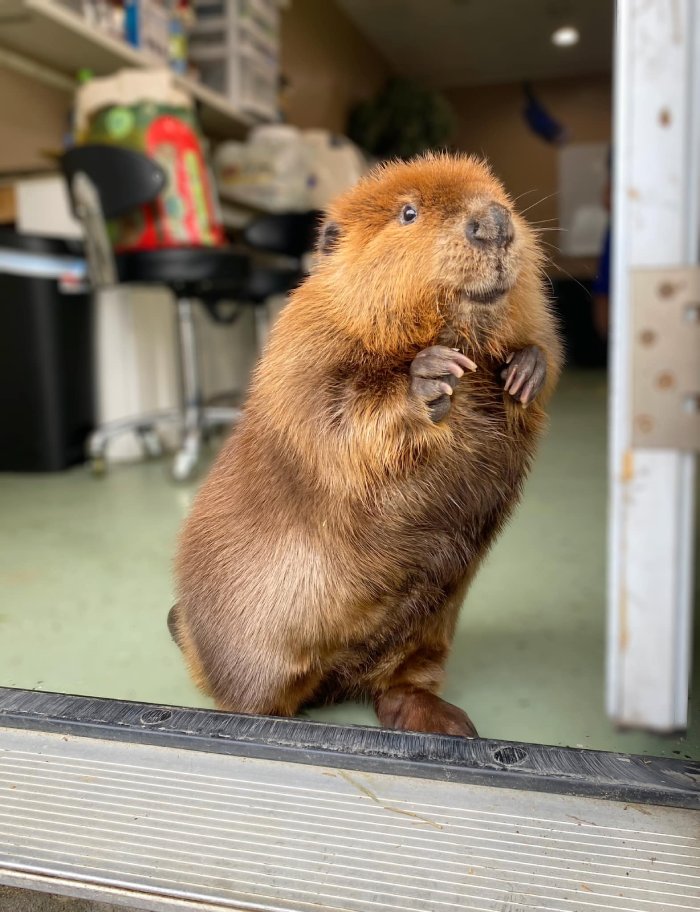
(601, 303)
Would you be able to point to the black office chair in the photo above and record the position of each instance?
(106, 182)
(277, 243)
(291, 234)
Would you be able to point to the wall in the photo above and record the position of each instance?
(34, 118)
(490, 122)
(329, 63)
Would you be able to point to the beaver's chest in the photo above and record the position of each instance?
(456, 500)
(493, 439)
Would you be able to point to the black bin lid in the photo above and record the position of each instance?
(34, 243)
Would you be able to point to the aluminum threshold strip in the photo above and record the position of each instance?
(162, 808)
(569, 771)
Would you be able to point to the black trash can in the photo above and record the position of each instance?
(47, 387)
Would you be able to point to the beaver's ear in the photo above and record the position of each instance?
(328, 237)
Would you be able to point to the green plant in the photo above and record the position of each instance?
(403, 120)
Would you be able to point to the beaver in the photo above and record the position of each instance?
(388, 431)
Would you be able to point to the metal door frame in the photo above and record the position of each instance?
(656, 214)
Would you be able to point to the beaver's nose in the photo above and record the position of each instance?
(492, 226)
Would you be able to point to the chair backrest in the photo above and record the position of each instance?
(105, 182)
(123, 178)
(291, 233)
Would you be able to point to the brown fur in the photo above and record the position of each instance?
(329, 550)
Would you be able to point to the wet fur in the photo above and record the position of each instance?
(328, 552)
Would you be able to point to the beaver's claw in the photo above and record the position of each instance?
(434, 375)
(525, 373)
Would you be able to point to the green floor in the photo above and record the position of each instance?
(85, 586)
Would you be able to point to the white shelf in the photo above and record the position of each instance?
(60, 39)
(208, 24)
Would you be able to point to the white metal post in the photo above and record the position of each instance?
(655, 224)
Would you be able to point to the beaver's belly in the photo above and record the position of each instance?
(424, 554)
(441, 519)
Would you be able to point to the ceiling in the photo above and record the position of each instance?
(469, 42)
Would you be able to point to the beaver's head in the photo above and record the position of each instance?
(431, 241)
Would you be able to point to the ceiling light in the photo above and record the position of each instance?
(566, 36)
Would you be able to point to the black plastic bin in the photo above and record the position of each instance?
(47, 387)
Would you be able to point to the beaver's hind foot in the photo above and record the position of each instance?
(412, 709)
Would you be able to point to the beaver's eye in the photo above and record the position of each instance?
(409, 214)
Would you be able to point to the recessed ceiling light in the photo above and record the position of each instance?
(566, 36)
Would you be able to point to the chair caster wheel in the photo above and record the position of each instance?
(98, 466)
(151, 443)
(184, 464)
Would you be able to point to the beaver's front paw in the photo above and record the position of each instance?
(525, 373)
(434, 375)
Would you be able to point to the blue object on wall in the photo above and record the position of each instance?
(132, 32)
(540, 120)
